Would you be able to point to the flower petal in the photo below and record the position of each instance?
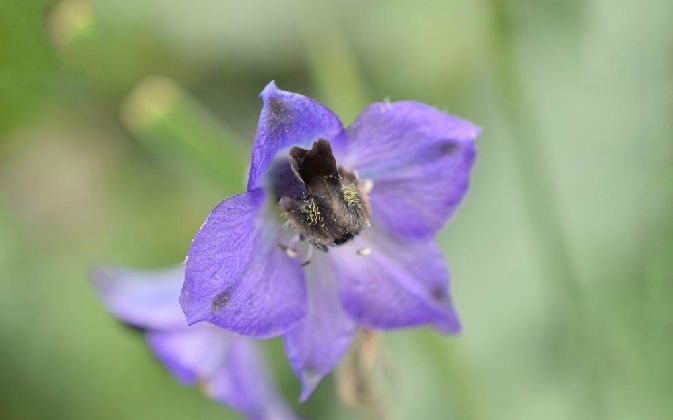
(398, 284)
(229, 368)
(142, 298)
(246, 384)
(419, 159)
(191, 353)
(237, 277)
(289, 119)
(317, 344)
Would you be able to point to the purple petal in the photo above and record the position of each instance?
(317, 344)
(419, 159)
(237, 277)
(192, 353)
(229, 368)
(399, 284)
(289, 119)
(145, 299)
(246, 384)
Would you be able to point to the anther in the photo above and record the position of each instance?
(367, 185)
(363, 252)
(290, 252)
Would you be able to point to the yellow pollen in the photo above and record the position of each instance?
(312, 212)
(351, 195)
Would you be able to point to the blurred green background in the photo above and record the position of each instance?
(122, 123)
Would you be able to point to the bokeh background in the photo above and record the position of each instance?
(122, 123)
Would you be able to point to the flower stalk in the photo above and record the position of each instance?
(354, 377)
(541, 201)
(166, 119)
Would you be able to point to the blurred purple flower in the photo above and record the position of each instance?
(374, 195)
(229, 368)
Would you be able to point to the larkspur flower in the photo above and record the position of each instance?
(374, 196)
(228, 367)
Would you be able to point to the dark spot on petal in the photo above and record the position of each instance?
(309, 369)
(438, 294)
(448, 148)
(280, 115)
(221, 300)
(277, 107)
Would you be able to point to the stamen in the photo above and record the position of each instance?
(290, 252)
(331, 207)
(309, 256)
(363, 252)
(367, 185)
(289, 248)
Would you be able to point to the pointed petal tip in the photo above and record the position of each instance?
(269, 90)
(309, 382)
(191, 317)
(476, 131)
(451, 325)
(101, 272)
(192, 321)
(244, 331)
(98, 275)
(101, 278)
(105, 278)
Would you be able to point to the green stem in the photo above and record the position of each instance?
(355, 380)
(462, 390)
(540, 199)
(168, 121)
(334, 68)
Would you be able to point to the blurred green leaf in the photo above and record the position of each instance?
(26, 61)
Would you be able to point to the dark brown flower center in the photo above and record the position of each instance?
(324, 203)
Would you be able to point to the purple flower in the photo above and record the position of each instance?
(228, 367)
(373, 195)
